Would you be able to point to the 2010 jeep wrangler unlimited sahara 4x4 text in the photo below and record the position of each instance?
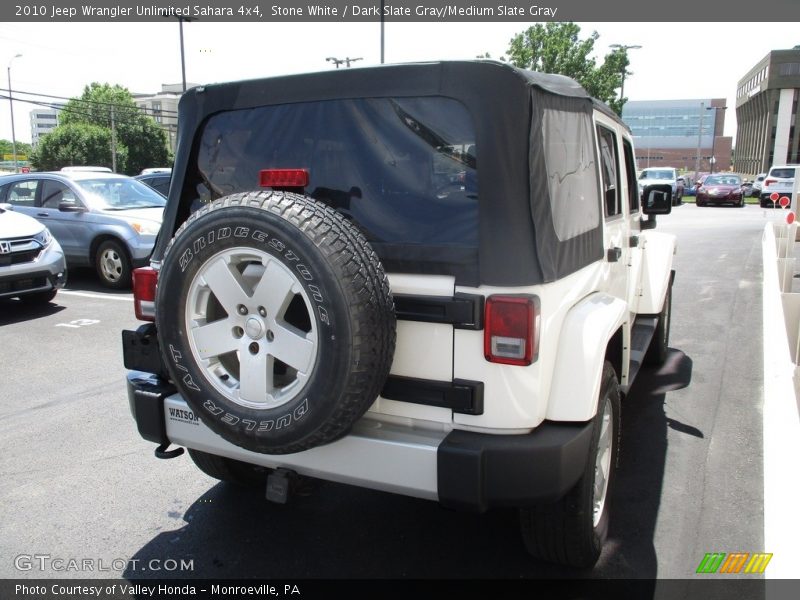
(443, 289)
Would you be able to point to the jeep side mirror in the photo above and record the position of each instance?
(657, 199)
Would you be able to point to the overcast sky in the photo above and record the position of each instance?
(676, 61)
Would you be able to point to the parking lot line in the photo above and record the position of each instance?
(98, 296)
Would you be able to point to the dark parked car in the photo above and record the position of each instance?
(720, 189)
(104, 220)
(158, 180)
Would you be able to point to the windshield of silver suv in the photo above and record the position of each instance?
(119, 194)
(665, 174)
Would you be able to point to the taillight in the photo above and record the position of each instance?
(770, 181)
(511, 331)
(283, 178)
(144, 293)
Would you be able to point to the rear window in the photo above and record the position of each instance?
(782, 173)
(404, 169)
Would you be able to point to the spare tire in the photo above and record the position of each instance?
(276, 320)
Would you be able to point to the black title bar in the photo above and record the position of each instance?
(522, 11)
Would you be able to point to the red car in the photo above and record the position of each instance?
(719, 189)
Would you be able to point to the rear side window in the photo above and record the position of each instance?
(404, 169)
(22, 193)
(571, 178)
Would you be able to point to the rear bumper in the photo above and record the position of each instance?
(459, 469)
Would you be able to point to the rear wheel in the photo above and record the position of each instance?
(572, 531)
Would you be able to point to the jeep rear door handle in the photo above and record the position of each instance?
(42, 214)
(614, 254)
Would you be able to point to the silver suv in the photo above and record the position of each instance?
(663, 175)
(32, 265)
(102, 220)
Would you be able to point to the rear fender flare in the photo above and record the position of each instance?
(585, 334)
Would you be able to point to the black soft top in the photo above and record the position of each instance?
(518, 243)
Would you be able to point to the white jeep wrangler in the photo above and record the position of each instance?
(443, 289)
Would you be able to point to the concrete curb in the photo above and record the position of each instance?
(780, 413)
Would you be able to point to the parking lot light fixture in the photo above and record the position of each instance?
(11, 108)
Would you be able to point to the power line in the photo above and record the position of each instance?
(87, 115)
(94, 102)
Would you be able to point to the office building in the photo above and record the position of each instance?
(668, 133)
(768, 122)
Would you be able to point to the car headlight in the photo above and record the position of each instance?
(146, 227)
(44, 237)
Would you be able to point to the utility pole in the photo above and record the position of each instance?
(113, 142)
(11, 108)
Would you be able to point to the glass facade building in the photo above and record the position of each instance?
(668, 132)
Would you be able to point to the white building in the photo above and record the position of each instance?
(43, 121)
(163, 107)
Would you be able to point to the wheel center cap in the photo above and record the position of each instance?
(253, 328)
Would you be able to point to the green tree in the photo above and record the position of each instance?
(557, 48)
(75, 144)
(139, 139)
(7, 147)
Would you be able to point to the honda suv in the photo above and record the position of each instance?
(429, 279)
(32, 265)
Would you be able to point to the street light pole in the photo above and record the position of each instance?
(181, 19)
(714, 133)
(625, 48)
(11, 108)
(382, 23)
(699, 141)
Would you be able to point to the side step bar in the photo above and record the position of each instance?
(641, 334)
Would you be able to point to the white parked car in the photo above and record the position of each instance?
(32, 264)
(779, 181)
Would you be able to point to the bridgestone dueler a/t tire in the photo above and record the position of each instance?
(278, 283)
(565, 532)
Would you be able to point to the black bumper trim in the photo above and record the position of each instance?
(460, 395)
(479, 471)
(146, 393)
